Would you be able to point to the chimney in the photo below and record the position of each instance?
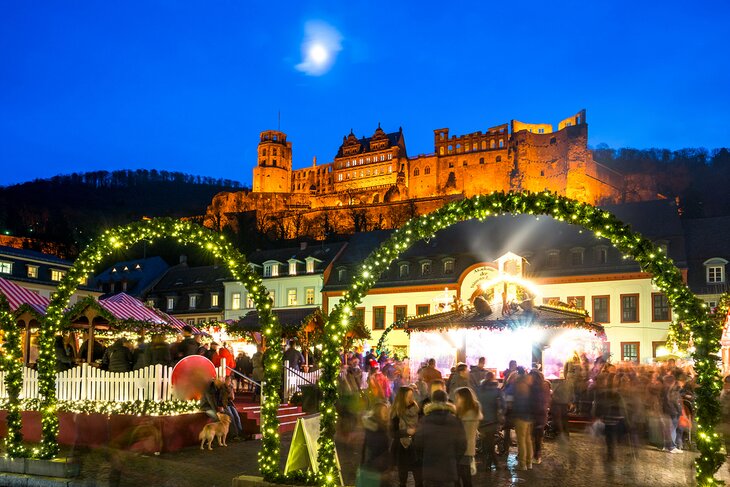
(183, 259)
(302, 245)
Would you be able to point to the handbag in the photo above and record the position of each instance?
(684, 422)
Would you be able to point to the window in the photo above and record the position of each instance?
(448, 266)
(292, 268)
(33, 271)
(499, 159)
(341, 274)
(551, 301)
(540, 131)
(400, 312)
(309, 295)
(464, 164)
(481, 160)
(602, 255)
(57, 275)
(193, 301)
(578, 302)
(404, 269)
(267, 270)
(214, 300)
(416, 172)
(630, 351)
(629, 308)
(715, 274)
(501, 143)
(170, 303)
(427, 170)
(291, 297)
(272, 296)
(426, 268)
(423, 309)
(660, 307)
(576, 257)
(249, 302)
(601, 309)
(553, 258)
(191, 321)
(358, 317)
(236, 301)
(491, 144)
(451, 164)
(655, 346)
(378, 317)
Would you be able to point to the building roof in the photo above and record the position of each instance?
(184, 278)
(706, 238)
(290, 318)
(140, 275)
(394, 138)
(472, 241)
(323, 252)
(546, 316)
(17, 296)
(34, 255)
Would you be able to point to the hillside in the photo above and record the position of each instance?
(72, 209)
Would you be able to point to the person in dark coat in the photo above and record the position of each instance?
(212, 401)
(376, 457)
(118, 357)
(492, 402)
(609, 408)
(158, 352)
(188, 346)
(293, 356)
(540, 396)
(97, 354)
(403, 425)
(138, 355)
(440, 442)
(64, 360)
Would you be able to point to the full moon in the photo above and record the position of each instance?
(318, 53)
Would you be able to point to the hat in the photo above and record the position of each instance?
(374, 364)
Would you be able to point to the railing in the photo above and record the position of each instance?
(90, 383)
(293, 380)
(255, 386)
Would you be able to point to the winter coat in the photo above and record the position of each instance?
(138, 356)
(490, 397)
(476, 376)
(244, 365)
(471, 420)
(540, 400)
(258, 367)
(212, 398)
(97, 354)
(158, 353)
(430, 374)
(440, 443)
(400, 426)
(64, 361)
(563, 392)
(672, 402)
(224, 353)
(294, 357)
(188, 346)
(522, 407)
(375, 451)
(119, 357)
(457, 382)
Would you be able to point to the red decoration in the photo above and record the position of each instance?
(191, 376)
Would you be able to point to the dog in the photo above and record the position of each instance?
(213, 430)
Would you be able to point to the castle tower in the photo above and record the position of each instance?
(272, 174)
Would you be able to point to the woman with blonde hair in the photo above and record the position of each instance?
(404, 421)
(469, 411)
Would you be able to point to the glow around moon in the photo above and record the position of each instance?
(320, 47)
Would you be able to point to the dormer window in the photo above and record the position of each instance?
(170, 303)
(553, 258)
(601, 255)
(114, 269)
(404, 269)
(193, 301)
(576, 256)
(448, 266)
(271, 270)
(33, 271)
(425, 268)
(341, 274)
(137, 267)
(6, 267)
(292, 268)
(310, 265)
(715, 270)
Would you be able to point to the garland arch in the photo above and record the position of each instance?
(13, 367)
(183, 232)
(690, 311)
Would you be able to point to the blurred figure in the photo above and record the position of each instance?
(404, 423)
(523, 414)
(672, 409)
(376, 448)
(212, 401)
(562, 397)
(158, 351)
(138, 355)
(97, 353)
(293, 356)
(243, 366)
(378, 385)
(478, 373)
(492, 404)
(228, 403)
(723, 426)
(64, 360)
(431, 373)
(540, 398)
(460, 379)
(257, 374)
(440, 442)
(119, 357)
(436, 385)
(469, 411)
(188, 345)
(610, 409)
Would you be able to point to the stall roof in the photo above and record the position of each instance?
(290, 318)
(18, 296)
(468, 317)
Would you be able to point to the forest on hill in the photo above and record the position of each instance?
(71, 209)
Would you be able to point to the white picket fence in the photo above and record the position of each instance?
(294, 379)
(91, 383)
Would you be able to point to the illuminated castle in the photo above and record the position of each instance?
(376, 170)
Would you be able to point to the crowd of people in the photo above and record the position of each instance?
(437, 427)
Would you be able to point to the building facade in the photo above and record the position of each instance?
(376, 174)
(563, 265)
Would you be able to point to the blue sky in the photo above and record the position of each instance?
(189, 85)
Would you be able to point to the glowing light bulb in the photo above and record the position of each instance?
(318, 54)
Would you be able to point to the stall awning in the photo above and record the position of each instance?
(126, 308)
(18, 296)
(290, 318)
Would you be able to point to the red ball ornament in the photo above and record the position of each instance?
(191, 376)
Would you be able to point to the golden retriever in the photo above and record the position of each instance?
(213, 430)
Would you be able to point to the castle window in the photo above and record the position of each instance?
(451, 148)
(273, 151)
(382, 157)
(501, 143)
(499, 158)
(540, 131)
(368, 172)
(481, 160)
(458, 147)
(427, 170)
(274, 162)
(347, 164)
(339, 177)
(367, 159)
(491, 144)
(441, 150)
(361, 160)
(552, 140)
(390, 169)
(263, 152)
(416, 172)
(464, 164)
(484, 145)
(542, 173)
(441, 136)
(451, 164)
(276, 137)
(448, 266)
(390, 156)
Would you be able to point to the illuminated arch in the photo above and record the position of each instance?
(666, 276)
(183, 232)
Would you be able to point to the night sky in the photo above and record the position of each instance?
(188, 86)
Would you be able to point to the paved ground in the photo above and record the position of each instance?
(578, 463)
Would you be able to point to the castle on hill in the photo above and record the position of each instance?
(373, 183)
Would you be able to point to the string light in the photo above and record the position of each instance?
(695, 322)
(12, 364)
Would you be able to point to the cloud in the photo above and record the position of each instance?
(320, 47)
